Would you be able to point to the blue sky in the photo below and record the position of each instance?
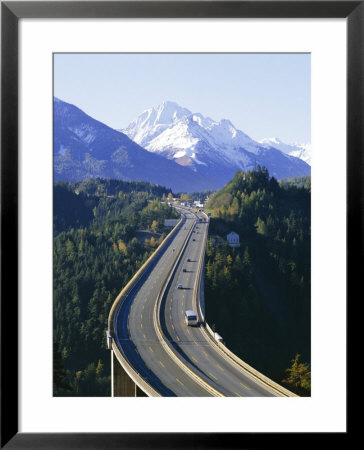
(264, 95)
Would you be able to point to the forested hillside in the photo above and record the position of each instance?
(258, 296)
(96, 252)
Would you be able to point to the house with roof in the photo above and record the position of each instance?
(233, 239)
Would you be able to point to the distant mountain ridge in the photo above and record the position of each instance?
(302, 151)
(211, 148)
(86, 148)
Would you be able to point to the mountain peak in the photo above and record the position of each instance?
(169, 104)
(168, 112)
(154, 121)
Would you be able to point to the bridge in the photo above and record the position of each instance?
(153, 352)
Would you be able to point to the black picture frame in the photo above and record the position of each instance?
(11, 12)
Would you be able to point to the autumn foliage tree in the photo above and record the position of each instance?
(298, 377)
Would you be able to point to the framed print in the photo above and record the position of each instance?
(238, 59)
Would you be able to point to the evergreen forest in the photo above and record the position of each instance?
(258, 296)
(104, 230)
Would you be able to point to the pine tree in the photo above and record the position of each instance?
(299, 376)
(59, 373)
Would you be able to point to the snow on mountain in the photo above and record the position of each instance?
(207, 146)
(85, 148)
(176, 132)
(154, 121)
(301, 151)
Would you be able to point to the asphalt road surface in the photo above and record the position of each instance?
(137, 336)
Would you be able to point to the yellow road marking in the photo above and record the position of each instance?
(177, 338)
(145, 337)
(246, 387)
(160, 362)
(203, 351)
(195, 342)
(141, 325)
(194, 359)
(172, 326)
(237, 394)
(150, 348)
(179, 381)
(221, 368)
(188, 331)
(141, 316)
(212, 375)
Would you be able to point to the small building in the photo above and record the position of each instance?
(233, 239)
(198, 204)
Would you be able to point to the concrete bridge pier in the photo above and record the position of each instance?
(121, 384)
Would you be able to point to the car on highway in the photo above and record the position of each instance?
(191, 318)
(184, 269)
(188, 259)
(179, 286)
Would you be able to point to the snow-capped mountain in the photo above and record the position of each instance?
(302, 151)
(214, 148)
(84, 148)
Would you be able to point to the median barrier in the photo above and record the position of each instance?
(163, 341)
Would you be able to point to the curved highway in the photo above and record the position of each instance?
(171, 357)
(135, 333)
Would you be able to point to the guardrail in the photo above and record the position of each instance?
(280, 390)
(124, 293)
(131, 283)
(133, 374)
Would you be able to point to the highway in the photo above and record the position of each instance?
(136, 335)
(173, 358)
